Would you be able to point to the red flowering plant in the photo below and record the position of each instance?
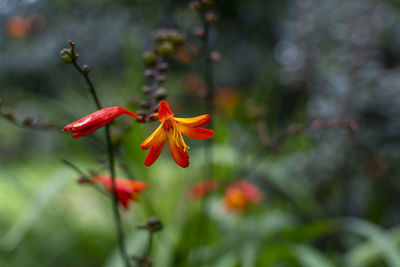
(126, 191)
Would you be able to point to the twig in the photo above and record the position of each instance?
(121, 238)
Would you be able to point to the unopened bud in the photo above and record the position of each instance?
(146, 89)
(148, 73)
(86, 69)
(161, 94)
(215, 56)
(161, 78)
(195, 5)
(72, 44)
(165, 48)
(162, 66)
(66, 55)
(177, 37)
(199, 33)
(28, 121)
(149, 58)
(9, 115)
(154, 224)
(211, 17)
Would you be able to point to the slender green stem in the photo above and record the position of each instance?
(209, 78)
(120, 233)
(149, 244)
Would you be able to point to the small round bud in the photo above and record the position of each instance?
(86, 69)
(146, 89)
(177, 37)
(66, 55)
(28, 121)
(211, 17)
(149, 58)
(9, 115)
(165, 48)
(72, 44)
(148, 73)
(160, 35)
(161, 78)
(154, 224)
(161, 94)
(215, 56)
(199, 33)
(196, 6)
(162, 66)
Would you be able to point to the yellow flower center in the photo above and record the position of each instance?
(174, 134)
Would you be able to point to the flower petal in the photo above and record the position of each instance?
(178, 151)
(196, 133)
(164, 111)
(95, 120)
(152, 139)
(155, 151)
(197, 121)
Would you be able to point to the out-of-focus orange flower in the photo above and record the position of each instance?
(226, 99)
(127, 190)
(18, 27)
(240, 195)
(202, 188)
(94, 121)
(172, 128)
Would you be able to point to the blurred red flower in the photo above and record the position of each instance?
(202, 188)
(94, 121)
(127, 190)
(240, 195)
(172, 128)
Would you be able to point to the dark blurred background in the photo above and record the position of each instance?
(307, 108)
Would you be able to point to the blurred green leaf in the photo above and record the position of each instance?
(33, 212)
(378, 237)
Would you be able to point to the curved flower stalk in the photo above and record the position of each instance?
(240, 195)
(94, 121)
(127, 190)
(172, 129)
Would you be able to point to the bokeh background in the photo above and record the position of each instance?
(307, 108)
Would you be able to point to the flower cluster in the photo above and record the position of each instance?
(170, 129)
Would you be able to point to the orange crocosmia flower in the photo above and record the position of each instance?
(202, 188)
(127, 190)
(240, 195)
(94, 121)
(171, 129)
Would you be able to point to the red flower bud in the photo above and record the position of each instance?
(94, 121)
